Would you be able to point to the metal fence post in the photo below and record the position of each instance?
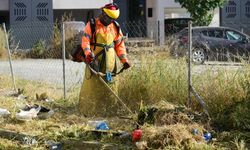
(189, 63)
(191, 89)
(63, 57)
(9, 55)
(158, 33)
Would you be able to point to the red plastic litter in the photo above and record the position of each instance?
(136, 135)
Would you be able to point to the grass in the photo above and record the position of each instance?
(159, 79)
(154, 80)
(148, 82)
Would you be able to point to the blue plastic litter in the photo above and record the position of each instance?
(207, 137)
(102, 126)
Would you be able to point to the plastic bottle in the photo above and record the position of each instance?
(4, 112)
(102, 126)
(98, 125)
(93, 124)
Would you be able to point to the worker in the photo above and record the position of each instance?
(102, 45)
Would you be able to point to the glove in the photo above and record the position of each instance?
(126, 65)
(89, 56)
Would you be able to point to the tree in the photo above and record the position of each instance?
(201, 11)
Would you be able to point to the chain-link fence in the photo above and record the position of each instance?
(36, 50)
(27, 35)
(40, 47)
(139, 29)
(39, 58)
(213, 44)
(242, 27)
(208, 45)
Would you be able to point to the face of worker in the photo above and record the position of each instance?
(105, 19)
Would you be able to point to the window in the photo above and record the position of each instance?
(213, 33)
(232, 35)
(218, 33)
(204, 33)
(150, 12)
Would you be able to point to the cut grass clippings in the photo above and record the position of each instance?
(65, 124)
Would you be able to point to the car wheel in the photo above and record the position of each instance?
(198, 56)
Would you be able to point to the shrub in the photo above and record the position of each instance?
(236, 116)
(3, 51)
(55, 43)
(56, 40)
(53, 47)
(38, 50)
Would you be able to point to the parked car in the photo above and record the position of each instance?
(213, 43)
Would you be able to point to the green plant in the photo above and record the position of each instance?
(38, 50)
(56, 40)
(235, 116)
(154, 80)
(201, 11)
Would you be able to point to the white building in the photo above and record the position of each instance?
(131, 10)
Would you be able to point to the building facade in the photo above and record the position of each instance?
(80, 9)
(150, 13)
(153, 13)
(32, 21)
(236, 14)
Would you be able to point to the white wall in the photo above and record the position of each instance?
(79, 4)
(216, 19)
(176, 13)
(4, 5)
(67, 4)
(170, 4)
(159, 7)
(150, 4)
